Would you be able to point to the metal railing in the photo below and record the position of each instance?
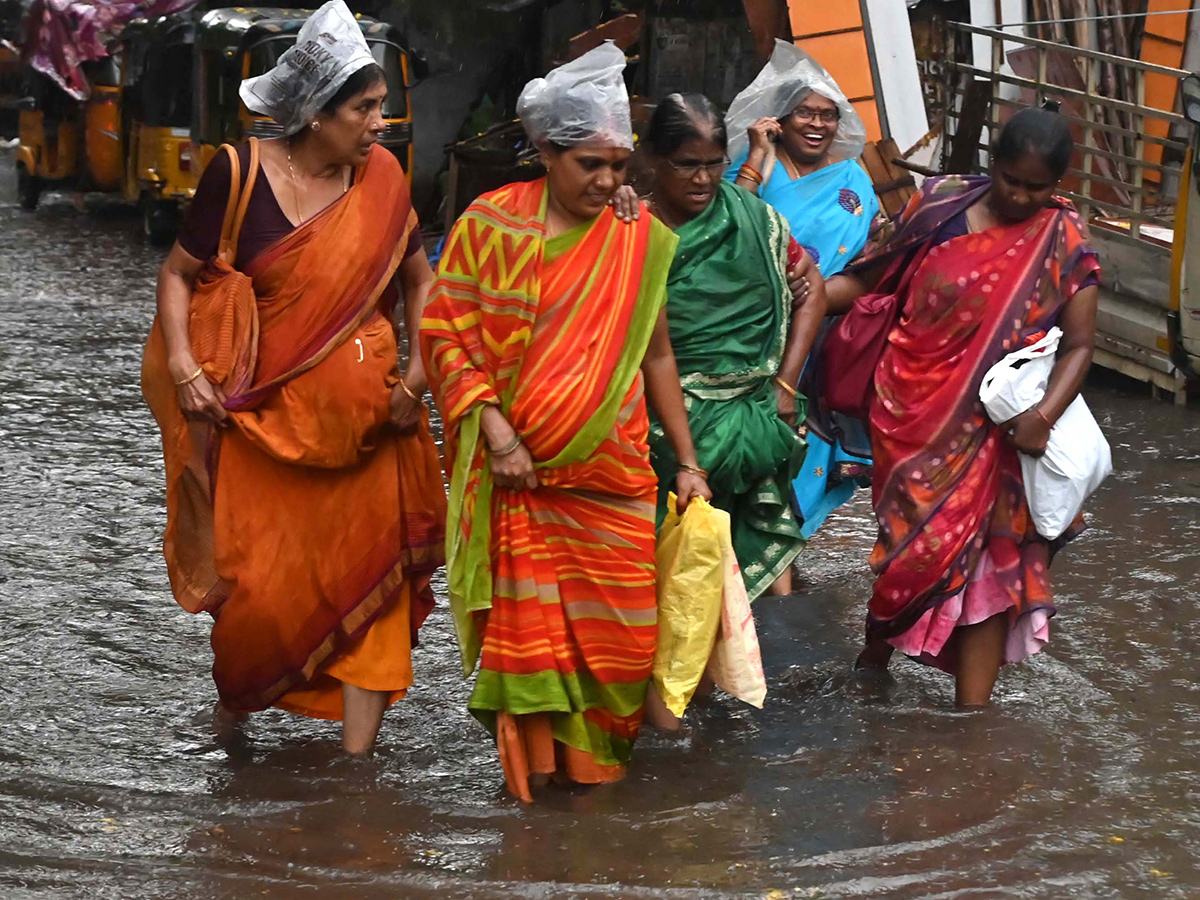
(1116, 140)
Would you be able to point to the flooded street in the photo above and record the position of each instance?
(1082, 782)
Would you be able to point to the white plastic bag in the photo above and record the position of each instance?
(328, 50)
(1077, 457)
(582, 101)
(736, 662)
(789, 76)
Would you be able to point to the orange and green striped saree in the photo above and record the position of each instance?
(552, 589)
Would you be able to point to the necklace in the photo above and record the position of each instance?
(296, 184)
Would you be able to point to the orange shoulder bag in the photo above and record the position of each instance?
(224, 316)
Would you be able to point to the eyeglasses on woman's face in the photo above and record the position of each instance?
(823, 116)
(687, 169)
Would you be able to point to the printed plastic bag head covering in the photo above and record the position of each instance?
(329, 49)
(584, 101)
(789, 76)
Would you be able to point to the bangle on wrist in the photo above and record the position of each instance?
(404, 387)
(1041, 415)
(787, 387)
(199, 371)
(509, 448)
(695, 470)
(750, 173)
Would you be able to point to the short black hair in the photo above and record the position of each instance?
(1042, 132)
(680, 118)
(365, 78)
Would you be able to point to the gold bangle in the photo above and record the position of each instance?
(510, 447)
(695, 470)
(787, 387)
(199, 371)
(404, 387)
(757, 182)
(1042, 416)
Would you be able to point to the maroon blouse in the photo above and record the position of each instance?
(265, 222)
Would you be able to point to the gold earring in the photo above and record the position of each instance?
(316, 126)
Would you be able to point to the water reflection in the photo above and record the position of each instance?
(1080, 783)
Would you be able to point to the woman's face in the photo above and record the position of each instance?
(809, 129)
(686, 181)
(583, 179)
(347, 135)
(1021, 187)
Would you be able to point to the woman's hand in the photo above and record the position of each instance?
(763, 135)
(404, 412)
(200, 399)
(1029, 432)
(626, 205)
(805, 281)
(689, 486)
(514, 471)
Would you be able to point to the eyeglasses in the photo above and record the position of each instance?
(824, 116)
(690, 170)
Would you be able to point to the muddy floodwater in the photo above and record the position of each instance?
(1083, 781)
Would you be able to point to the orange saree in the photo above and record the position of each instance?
(552, 589)
(307, 529)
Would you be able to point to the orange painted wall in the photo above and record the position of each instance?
(1163, 44)
(832, 31)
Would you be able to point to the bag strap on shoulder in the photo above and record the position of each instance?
(235, 178)
(239, 200)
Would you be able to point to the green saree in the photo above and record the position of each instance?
(728, 309)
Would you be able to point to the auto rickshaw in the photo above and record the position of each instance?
(158, 76)
(67, 142)
(235, 44)
(10, 88)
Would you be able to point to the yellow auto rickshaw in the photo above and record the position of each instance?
(67, 142)
(166, 100)
(158, 63)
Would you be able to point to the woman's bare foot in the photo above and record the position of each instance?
(362, 714)
(657, 716)
(226, 723)
(875, 656)
(980, 656)
(781, 586)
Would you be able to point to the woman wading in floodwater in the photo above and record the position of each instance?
(738, 345)
(305, 507)
(545, 337)
(984, 266)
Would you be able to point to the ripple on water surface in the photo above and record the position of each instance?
(1080, 783)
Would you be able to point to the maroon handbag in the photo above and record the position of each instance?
(854, 346)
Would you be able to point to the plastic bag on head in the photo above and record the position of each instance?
(328, 50)
(584, 101)
(788, 77)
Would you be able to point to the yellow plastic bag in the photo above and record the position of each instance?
(691, 581)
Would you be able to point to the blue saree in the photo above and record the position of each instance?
(831, 212)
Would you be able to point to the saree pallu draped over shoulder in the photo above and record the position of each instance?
(552, 590)
(306, 528)
(954, 527)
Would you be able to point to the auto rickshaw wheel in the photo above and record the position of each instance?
(160, 220)
(29, 188)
